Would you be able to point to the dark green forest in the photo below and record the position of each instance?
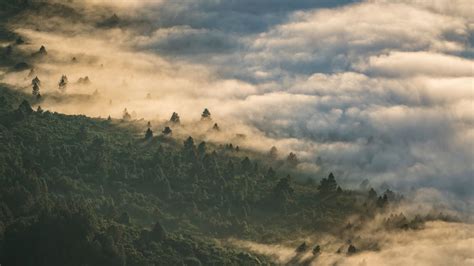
(86, 191)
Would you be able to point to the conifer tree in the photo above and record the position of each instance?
(167, 131)
(273, 153)
(36, 89)
(202, 149)
(292, 159)
(126, 116)
(63, 83)
(328, 185)
(206, 115)
(175, 118)
(372, 195)
(148, 134)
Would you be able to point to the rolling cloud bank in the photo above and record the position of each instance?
(377, 90)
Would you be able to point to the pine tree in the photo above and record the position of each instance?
(148, 134)
(283, 187)
(36, 89)
(36, 80)
(351, 249)
(246, 165)
(206, 115)
(202, 149)
(126, 116)
(35, 83)
(42, 50)
(302, 247)
(216, 127)
(175, 118)
(273, 153)
(270, 173)
(63, 83)
(189, 143)
(292, 160)
(316, 250)
(372, 194)
(167, 131)
(328, 185)
(158, 233)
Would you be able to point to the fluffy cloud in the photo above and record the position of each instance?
(418, 63)
(437, 244)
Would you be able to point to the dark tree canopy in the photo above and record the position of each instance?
(302, 248)
(292, 160)
(63, 83)
(148, 134)
(36, 80)
(201, 149)
(121, 184)
(328, 185)
(283, 187)
(246, 165)
(158, 233)
(126, 116)
(206, 115)
(351, 249)
(273, 153)
(372, 195)
(316, 250)
(167, 131)
(42, 50)
(36, 89)
(175, 118)
(24, 109)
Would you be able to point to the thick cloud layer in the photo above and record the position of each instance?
(438, 243)
(374, 89)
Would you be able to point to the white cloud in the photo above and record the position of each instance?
(418, 63)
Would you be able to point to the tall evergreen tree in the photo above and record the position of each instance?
(328, 185)
(206, 115)
(126, 116)
(175, 118)
(63, 83)
(167, 131)
(372, 195)
(148, 134)
(201, 149)
(292, 160)
(36, 89)
(273, 153)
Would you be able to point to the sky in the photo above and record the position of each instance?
(377, 90)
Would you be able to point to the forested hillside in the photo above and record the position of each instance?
(80, 190)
